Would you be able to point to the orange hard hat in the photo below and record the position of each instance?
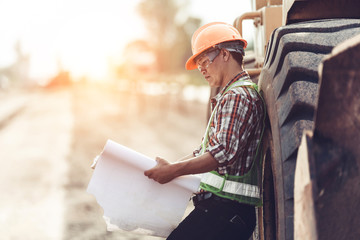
(210, 35)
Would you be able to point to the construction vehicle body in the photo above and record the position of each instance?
(307, 65)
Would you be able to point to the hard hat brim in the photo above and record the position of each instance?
(190, 63)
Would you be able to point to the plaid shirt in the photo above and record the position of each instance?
(235, 129)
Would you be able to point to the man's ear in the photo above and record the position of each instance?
(225, 54)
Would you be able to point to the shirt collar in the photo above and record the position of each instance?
(240, 76)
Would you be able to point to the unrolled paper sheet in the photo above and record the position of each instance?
(130, 200)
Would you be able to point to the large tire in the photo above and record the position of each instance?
(289, 82)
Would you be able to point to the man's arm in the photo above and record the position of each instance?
(164, 171)
(186, 157)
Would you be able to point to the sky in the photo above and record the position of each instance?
(83, 36)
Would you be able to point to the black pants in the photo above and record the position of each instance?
(213, 219)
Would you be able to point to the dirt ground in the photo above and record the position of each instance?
(165, 126)
(49, 138)
(35, 140)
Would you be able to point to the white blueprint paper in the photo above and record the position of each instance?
(130, 200)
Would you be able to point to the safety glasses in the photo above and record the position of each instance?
(204, 61)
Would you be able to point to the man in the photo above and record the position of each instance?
(229, 152)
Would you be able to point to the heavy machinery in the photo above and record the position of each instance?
(307, 62)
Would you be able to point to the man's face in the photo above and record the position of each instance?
(209, 67)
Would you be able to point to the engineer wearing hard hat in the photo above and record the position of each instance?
(228, 157)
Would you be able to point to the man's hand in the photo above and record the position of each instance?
(162, 172)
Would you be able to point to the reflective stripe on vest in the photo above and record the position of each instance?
(237, 188)
(245, 188)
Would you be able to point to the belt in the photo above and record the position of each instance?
(208, 195)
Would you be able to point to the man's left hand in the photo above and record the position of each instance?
(162, 172)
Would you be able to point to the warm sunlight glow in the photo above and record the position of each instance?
(83, 37)
(79, 36)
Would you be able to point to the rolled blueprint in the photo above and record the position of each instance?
(130, 200)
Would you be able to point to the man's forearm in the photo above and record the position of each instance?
(186, 157)
(201, 164)
(164, 171)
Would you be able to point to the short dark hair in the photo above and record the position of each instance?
(239, 58)
(236, 49)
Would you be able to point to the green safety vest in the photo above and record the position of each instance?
(245, 188)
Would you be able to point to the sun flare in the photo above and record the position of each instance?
(76, 36)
